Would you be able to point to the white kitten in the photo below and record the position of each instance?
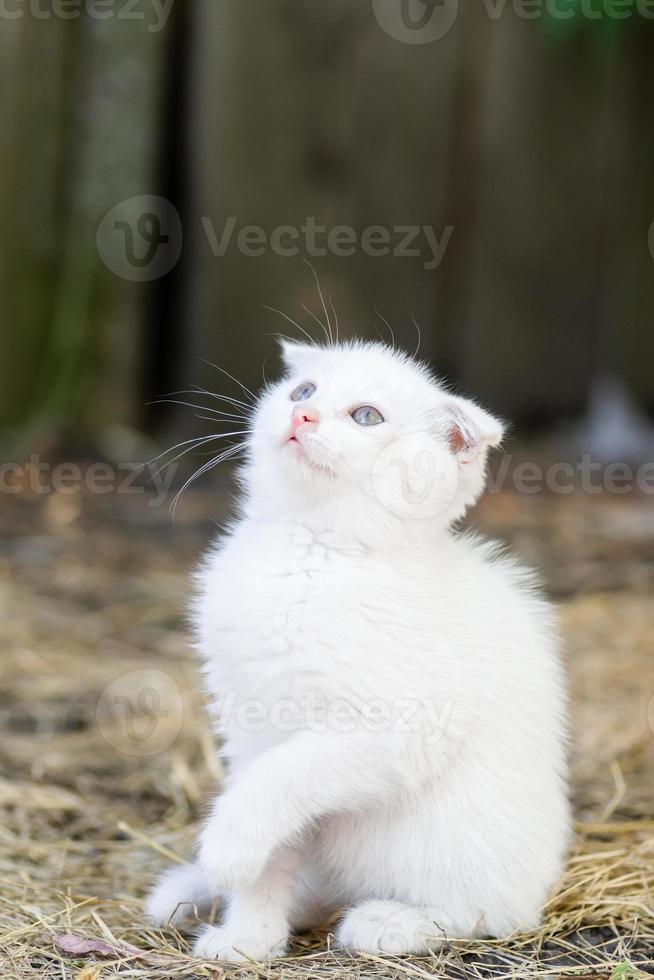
(390, 692)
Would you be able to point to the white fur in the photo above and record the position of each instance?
(182, 892)
(389, 691)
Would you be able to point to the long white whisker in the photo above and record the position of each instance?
(378, 332)
(333, 308)
(203, 408)
(417, 326)
(384, 320)
(227, 454)
(228, 375)
(198, 390)
(274, 309)
(210, 418)
(212, 452)
(318, 321)
(322, 300)
(196, 443)
(234, 432)
(199, 442)
(172, 449)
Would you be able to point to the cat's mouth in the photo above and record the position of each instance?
(300, 451)
(293, 440)
(295, 444)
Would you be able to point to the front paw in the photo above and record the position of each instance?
(232, 945)
(230, 856)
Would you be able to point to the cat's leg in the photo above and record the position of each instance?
(256, 923)
(288, 788)
(393, 927)
(182, 892)
(314, 902)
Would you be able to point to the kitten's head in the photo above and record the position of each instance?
(364, 427)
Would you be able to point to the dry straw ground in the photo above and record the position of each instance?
(93, 589)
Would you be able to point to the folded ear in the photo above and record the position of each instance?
(470, 429)
(294, 354)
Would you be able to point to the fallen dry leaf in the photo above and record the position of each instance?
(74, 945)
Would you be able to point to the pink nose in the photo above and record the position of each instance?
(302, 415)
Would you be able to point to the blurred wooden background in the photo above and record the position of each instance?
(533, 138)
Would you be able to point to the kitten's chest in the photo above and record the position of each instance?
(303, 632)
(294, 609)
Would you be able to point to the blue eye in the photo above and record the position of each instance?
(303, 391)
(367, 415)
